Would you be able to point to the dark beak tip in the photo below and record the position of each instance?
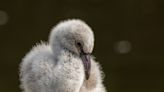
(87, 76)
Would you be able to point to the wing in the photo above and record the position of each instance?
(36, 67)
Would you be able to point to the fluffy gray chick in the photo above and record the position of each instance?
(65, 63)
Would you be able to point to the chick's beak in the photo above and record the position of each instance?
(87, 64)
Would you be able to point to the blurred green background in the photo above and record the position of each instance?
(129, 38)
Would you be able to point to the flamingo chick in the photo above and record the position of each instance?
(64, 64)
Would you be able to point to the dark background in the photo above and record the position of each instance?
(129, 38)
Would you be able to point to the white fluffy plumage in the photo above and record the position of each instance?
(57, 65)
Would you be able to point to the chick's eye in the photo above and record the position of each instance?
(78, 44)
